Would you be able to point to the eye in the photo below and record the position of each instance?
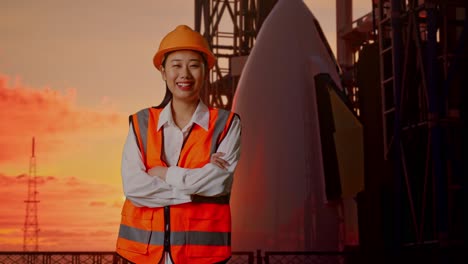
(195, 66)
(175, 66)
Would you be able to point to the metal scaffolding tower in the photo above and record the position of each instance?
(230, 26)
(351, 37)
(423, 54)
(31, 226)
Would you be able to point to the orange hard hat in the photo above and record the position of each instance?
(183, 38)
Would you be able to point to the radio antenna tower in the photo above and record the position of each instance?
(31, 226)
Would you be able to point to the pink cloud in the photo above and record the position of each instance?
(47, 114)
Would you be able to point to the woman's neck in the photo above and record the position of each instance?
(182, 112)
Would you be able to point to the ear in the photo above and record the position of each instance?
(163, 73)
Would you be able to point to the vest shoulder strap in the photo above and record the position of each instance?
(140, 123)
(222, 125)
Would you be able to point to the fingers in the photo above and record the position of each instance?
(158, 171)
(218, 161)
(218, 154)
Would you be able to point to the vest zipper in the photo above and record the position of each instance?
(167, 230)
(167, 216)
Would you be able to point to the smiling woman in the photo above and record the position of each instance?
(184, 73)
(183, 38)
(177, 165)
(97, 48)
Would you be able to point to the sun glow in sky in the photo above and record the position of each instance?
(70, 74)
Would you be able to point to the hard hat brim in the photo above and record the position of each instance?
(183, 38)
(159, 56)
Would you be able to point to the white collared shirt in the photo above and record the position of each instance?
(210, 180)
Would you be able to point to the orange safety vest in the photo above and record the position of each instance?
(195, 232)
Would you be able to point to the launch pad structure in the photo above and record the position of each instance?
(416, 167)
(405, 66)
(230, 28)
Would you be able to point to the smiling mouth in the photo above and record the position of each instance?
(185, 86)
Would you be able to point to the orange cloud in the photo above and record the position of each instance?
(47, 114)
(97, 204)
(83, 211)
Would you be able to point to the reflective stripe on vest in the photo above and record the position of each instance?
(143, 119)
(201, 228)
(221, 121)
(177, 238)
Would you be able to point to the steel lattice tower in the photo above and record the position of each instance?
(419, 116)
(230, 27)
(31, 226)
(423, 59)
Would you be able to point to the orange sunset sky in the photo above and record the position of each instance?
(70, 74)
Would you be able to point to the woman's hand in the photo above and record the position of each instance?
(218, 161)
(158, 171)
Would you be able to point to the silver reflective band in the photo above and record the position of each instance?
(142, 118)
(134, 234)
(156, 238)
(220, 123)
(201, 238)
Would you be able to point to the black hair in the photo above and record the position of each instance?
(167, 98)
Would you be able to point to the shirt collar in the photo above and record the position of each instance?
(201, 116)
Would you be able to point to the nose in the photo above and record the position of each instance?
(186, 72)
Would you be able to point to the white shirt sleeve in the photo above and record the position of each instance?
(210, 180)
(141, 188)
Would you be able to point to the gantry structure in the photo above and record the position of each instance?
(230, 26)
(405, 67)
(414, 110)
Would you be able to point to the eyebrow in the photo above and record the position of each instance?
(177, 60)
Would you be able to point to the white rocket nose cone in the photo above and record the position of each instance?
(279, 177)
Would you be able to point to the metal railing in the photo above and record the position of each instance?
(20, 257)
(306, 257)
(435, 256)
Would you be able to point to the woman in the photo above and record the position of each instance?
(177, 165)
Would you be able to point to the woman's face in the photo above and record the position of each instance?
(184, 73)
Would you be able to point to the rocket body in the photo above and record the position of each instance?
(282, 196)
